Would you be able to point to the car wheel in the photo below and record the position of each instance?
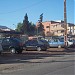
(19, 52)
(45, 49)
(59, 46)
(0, 52)
(39, 49)
(12, 50)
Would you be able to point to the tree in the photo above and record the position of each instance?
(41, 17)
(19, 26)
(25, 27)
(32, 28)
(40, 26)
(40, 29)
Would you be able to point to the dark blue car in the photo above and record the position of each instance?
(14, 45)
(36, 45)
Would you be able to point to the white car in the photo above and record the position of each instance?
(70, 42)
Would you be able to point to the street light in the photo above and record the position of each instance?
(15, 26)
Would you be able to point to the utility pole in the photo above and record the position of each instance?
(65, 24)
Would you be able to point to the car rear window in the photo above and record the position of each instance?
(44, 41)
(40, 42)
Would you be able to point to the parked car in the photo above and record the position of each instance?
(1, 49)
(14, 45)
(73, 41)
(73, 44)
(45, 42)
(70, 42)
(56, 43)
(59, 43)
(35, 45)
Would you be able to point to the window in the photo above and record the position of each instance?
(6, 41)
(62, 31)
(47, 26)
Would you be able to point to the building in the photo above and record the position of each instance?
(56, 28)
(71, 28)
(7, 32)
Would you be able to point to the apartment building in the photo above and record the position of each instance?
(57, 28)
(71, 28)
(53, 28)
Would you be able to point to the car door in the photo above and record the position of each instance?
(31, 44)
(34, 44)
(61, 42)
(6, 44)
(28, 45)
(55, 43)
(50, 43)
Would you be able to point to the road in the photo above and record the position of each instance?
(38, 63)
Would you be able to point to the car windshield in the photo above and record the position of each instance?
(70, 40)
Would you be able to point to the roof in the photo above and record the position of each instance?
(4, 28)
(10, 32)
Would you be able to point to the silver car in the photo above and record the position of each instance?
(56, 43)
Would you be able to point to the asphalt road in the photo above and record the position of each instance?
(38, 63)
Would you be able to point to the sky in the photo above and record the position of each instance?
(13, 11)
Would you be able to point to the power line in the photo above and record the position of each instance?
(25, 7)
